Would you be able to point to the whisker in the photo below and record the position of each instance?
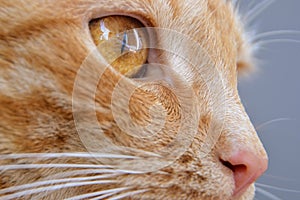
(56, 187)
(92, 171)
(63, 155)
(75, 173)
(128, 194)
(277, 188)
(39, 166)
(267, 194)
(280, 178)
(260, 36)
(78, 172)
(101, 169)
(272, 121)
(102, 196)
(269, 41)
(259, 8)
(51, 182)
(109, 192)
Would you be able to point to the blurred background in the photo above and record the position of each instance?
(272, 98)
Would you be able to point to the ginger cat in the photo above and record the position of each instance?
(127, 99)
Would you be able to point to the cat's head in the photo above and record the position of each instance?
(149, 88)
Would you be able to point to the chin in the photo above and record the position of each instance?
(248, 194)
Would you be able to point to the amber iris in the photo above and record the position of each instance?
(122, 41)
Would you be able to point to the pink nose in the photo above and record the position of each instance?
(246, 167)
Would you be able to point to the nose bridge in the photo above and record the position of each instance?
(240, 149)
(239, 133)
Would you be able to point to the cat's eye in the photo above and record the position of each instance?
(122, 41)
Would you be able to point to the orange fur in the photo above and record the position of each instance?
(43, 44)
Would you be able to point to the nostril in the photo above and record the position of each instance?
(246, 168)
(227, 164)
(234, 168)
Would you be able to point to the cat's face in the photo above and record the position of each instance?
(177, 131)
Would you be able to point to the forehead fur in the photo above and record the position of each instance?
(204, 20)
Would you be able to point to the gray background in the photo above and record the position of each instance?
(273, 93)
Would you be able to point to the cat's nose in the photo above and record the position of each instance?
(246, 167)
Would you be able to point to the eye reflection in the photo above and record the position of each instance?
(123, 42)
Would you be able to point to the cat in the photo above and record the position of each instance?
(128, 99)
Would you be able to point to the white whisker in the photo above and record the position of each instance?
(272, 121)
(102, 196)
(55, 187)
(51, 182)
(128, 194)
(102, 193)
(267, 194)
(254, 12)
(93, 171)
(78, 172)
(269, 41)
(39, 166)
(260, 36)
(101, 169)
(63, 155)
(277, 188)
(276, 178)
(98, 168)
(148, 153)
